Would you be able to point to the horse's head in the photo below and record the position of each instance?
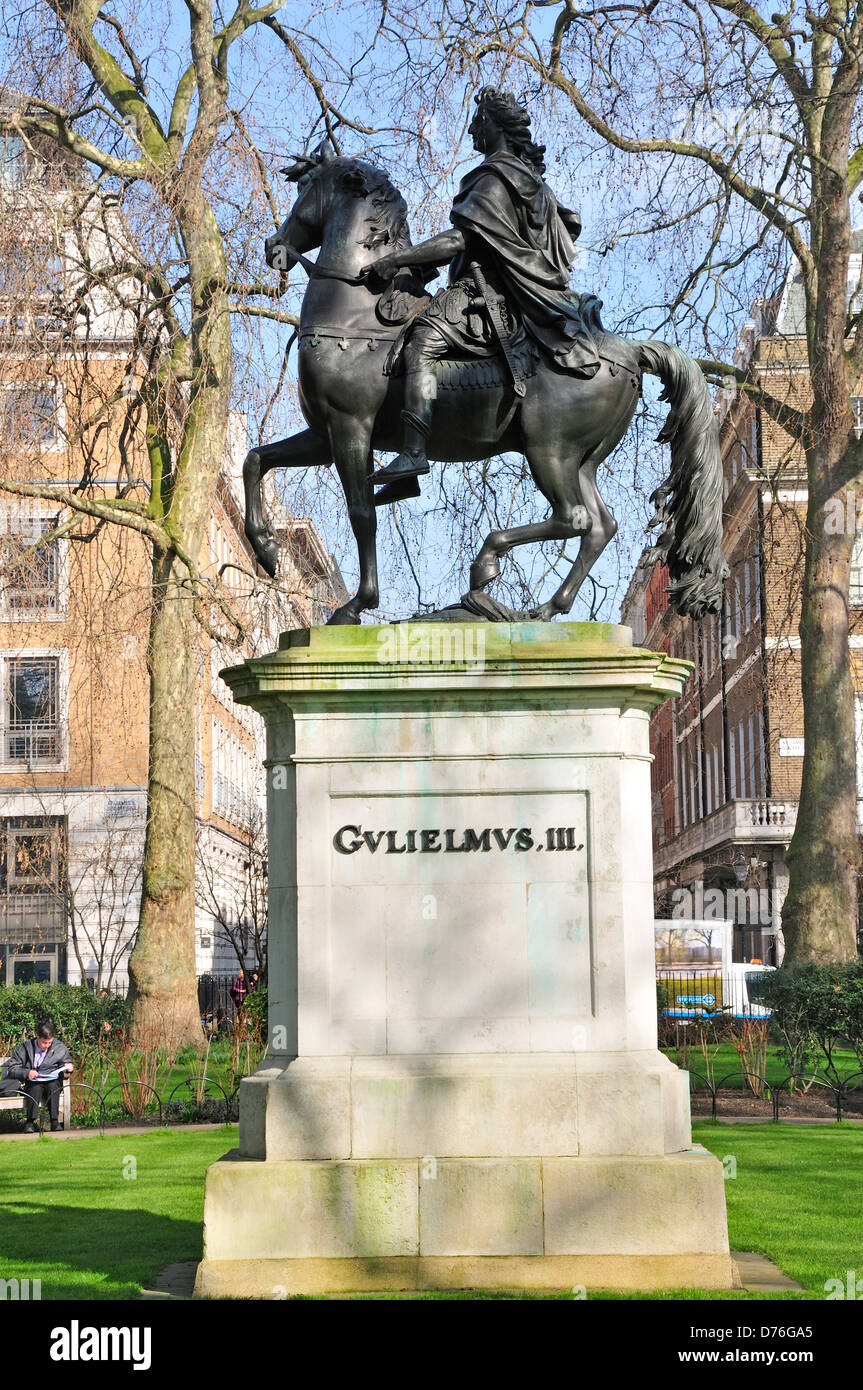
(303, 227)
(374, 212)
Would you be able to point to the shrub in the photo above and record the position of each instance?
(816, 1008)
(79, 1015)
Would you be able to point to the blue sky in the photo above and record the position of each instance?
(633, 278)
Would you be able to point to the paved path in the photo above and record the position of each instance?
(760, 1275)
(174, 1283)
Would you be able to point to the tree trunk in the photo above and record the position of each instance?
(820, 914)
(819, 918)
(162, 965)
(163, 978)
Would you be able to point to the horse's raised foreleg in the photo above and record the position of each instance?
(602, 529)
(304, 450)
(350, 443)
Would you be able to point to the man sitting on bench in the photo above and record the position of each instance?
(40, 1063)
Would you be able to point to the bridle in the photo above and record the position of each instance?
(312, 268)
(320, 272)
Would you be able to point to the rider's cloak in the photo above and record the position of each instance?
(524, 239)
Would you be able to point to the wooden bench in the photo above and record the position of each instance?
(20, 1102)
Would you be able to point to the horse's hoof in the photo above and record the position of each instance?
(344, 617)
(267, 552)
(482, 572)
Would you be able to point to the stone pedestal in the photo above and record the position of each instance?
(463, 1086)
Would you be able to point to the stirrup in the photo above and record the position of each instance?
(406, 465)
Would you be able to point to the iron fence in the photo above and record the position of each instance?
(220, 1003)
(200, 1097)
(842, 1090)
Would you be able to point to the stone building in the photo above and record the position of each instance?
(728, 752)
(74, 614)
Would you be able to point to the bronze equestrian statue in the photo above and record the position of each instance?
(506, 358)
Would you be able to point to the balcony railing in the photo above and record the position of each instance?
(760, 821)
(763, 813)
(233, 804)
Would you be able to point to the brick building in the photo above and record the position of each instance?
(728, 752)
(74, 614)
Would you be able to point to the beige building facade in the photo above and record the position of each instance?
(728, 752)
(74, 616)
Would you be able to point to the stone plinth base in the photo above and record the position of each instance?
(602, 1222)
(463, 1085)
(280, 1278)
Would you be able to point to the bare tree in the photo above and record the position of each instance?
(171, 194)
(731, 139)
(238, 903)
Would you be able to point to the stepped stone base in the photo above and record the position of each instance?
(290, 1227)
(463, 1085)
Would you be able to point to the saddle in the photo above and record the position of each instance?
(488, 372)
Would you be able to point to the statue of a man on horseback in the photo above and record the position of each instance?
(506, 359)
(510, 250)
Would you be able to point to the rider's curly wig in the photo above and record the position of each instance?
(514, 122)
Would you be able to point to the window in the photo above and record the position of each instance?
(732, 764)
(753, 439)
(33, 906)
(857, 412)
(33, 733)
(752, 763)
(13, 161)
(322, 601)
(32, 855)
(29, 576)
(858, 725)
(29, 415)
(855, 592)
(235, 778)
(31, 268)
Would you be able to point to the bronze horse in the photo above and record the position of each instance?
(564, 425)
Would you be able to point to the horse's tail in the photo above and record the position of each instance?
(689, 502)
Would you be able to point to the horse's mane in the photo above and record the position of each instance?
(388, 223)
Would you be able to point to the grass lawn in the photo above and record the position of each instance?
(69, 1217)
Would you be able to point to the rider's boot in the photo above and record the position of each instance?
(417, 417)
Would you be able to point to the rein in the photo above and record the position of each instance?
(319, 272)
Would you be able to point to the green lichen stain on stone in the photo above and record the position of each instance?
(455, 659)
